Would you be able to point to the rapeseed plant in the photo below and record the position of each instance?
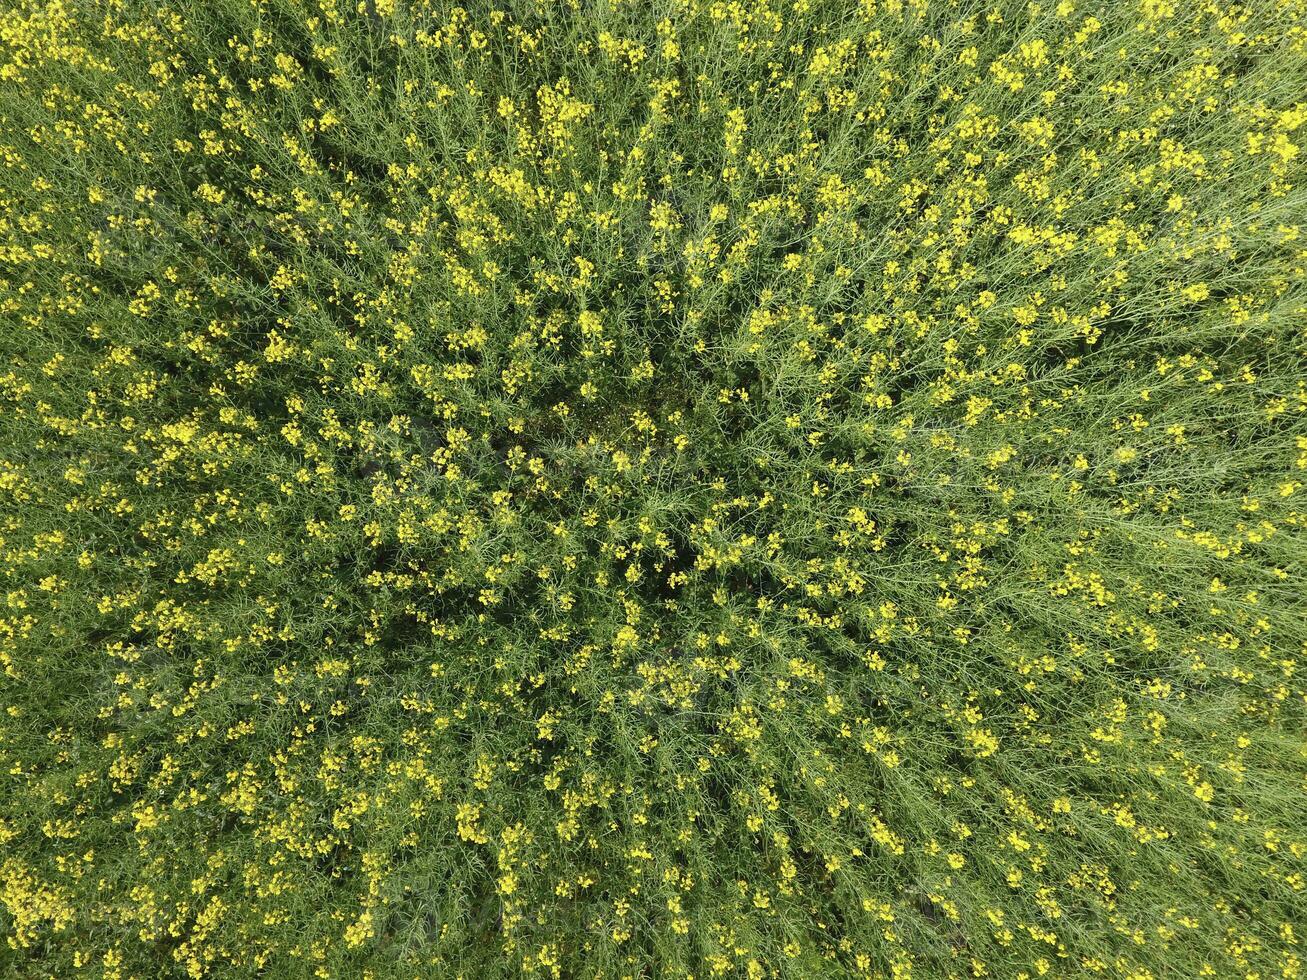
(681, 489)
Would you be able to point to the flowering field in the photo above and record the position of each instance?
(669, 489)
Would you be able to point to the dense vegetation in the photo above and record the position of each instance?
(658, 490)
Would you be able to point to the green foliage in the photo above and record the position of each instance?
(685, 489)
